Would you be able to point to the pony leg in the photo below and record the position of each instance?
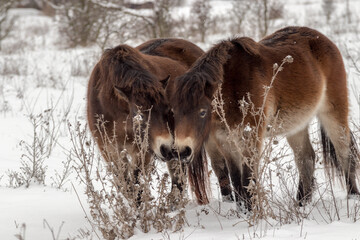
(218, 164)
(337, 136)
(239, 172)
(240, 178)
(305, 162)
(177, 171)
(236, 180)
(140, 168)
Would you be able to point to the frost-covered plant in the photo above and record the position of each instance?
(240, 138)
(117, 205)
(36, 151)
(22, 230)
(60, 179)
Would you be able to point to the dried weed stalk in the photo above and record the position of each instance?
(274, 177)
(119, 201)
(36, 151)
(244, 139)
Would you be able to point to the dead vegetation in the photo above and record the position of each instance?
(114, 199)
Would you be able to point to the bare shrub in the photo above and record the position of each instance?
(328, 8)
(113, 199)
(86, 22)
(15, 178)
(36, 151)
(38, 29)
(162, 18)
(6, 22)
(82, 64)
(118, 27)
(4, 104)
(60, 179)
(239, 11)
(13, 66)
(159, 22)
(201, 10)
(52, 231)
(348, 12)
(22, 231)
(80, 22)
(264, 12)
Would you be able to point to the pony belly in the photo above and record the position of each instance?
(295, 121)
(291, 120)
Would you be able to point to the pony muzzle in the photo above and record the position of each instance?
(163, 148)
(184, 149)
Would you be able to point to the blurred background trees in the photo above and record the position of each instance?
(109, 22)
(6, 21)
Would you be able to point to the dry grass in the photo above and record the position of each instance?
(113, 195)
(274, 177)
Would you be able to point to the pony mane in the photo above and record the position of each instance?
(206, 70)
(247, 44)
(209, 69)
(124, 67)
(153, 46)
(282, 36)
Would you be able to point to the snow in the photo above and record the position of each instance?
(35, 205)
(38, 73)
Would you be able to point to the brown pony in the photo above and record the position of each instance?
(314, 84)
(129, 83)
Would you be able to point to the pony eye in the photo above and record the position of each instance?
(202, 113)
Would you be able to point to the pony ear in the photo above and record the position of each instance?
(123, 93)
(165, 81)
(210, 88)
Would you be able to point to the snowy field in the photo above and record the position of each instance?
(41, 81)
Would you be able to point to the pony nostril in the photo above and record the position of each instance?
(166, 152)
(186, 153)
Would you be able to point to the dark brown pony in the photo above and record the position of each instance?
(314, 84)
(128, 84)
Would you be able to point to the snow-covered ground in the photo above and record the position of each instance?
(37, 73)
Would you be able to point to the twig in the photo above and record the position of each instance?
(93, 228)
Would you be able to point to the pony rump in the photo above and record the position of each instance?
(199, 178)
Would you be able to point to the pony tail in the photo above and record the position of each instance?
(330, 160)
(199, 178)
